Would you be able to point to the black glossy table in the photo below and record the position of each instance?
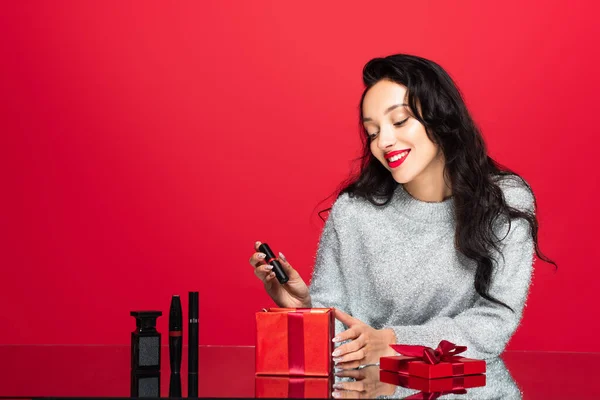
(104, 371)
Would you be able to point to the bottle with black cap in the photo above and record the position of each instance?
(145, 355)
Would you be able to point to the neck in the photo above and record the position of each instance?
(430, 186)
(428, 192)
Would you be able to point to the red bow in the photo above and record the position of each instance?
(444, 352)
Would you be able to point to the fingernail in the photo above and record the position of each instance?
(338, 386)
(261, 255)
(269, 267)
(335, 353)
(335, 394)
(335, 339)
(282, 256)
(337, 360)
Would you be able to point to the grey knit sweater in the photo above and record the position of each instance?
(396, 267)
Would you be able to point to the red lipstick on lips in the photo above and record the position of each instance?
(399, 162)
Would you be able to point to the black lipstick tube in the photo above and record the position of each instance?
(193, 344)
(271, 259)
(175, 345)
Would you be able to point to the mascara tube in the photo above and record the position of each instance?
(175, 345)
(193, 344)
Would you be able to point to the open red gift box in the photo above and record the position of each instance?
(293, 387)
(431, 363)
(295, 341)
(448, 384)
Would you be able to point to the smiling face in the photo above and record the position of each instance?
(398, 140)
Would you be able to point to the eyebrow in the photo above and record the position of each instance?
(389, 109)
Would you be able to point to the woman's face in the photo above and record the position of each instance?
(398, 140)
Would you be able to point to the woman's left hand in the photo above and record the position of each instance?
(367, 344)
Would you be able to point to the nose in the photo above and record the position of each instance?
(387, 138)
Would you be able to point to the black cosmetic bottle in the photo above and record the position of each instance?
(145, 355)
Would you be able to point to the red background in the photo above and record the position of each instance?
(147, 145)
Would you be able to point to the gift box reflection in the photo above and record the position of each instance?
(293, 387)
(426, 362)
(449, 384)
(295, 341)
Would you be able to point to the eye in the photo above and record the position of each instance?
(372, 136)
(401, 122)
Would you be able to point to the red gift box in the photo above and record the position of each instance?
(295, 341)
(293, 387)
(428, 363)
(449, 384)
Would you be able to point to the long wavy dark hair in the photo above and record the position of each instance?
(435, 101)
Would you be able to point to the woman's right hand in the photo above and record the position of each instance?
(293, 294)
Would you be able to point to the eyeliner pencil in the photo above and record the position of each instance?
(193, 345)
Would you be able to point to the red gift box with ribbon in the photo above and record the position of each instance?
(293, 387)
(430, 363)
(449, 384)
(295, 341)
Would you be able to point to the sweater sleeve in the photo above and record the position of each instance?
(327, 287)
(486, 327)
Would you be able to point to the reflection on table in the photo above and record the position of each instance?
(228, 371)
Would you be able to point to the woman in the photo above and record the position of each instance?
(433, 240)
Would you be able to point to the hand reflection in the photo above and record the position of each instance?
(364, 383)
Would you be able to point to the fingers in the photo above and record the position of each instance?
(270, 277)
(358, 386)
(358, 374)
(348, 334)
(287, 268)
(264, 272)
(257, 259)
(351, 354)
(348, 365)
(349, 348)
(347, 394)
(345, 318)
(354, 356)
